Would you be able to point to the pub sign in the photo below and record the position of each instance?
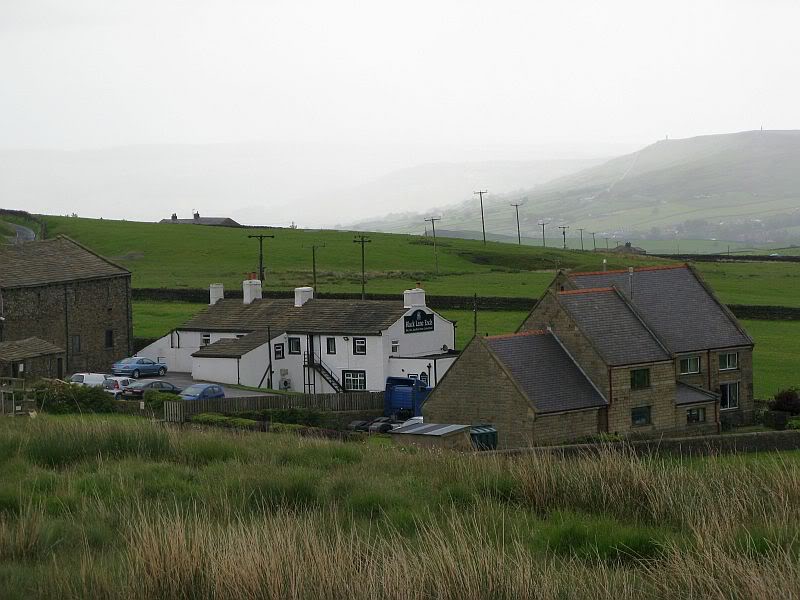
(418, 321)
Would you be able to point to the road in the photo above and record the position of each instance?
(184, 380)
(24, 234)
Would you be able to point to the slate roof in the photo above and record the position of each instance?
(613, 327)
(433, 429)
(544, 371)
(31, 347)
(348, 317)
(56, 260)
(236, 347)
(676, 304)
(224, 221)
(689, 394)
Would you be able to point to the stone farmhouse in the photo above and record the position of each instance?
(309, 344)
(63, 308)
(641, 352)
(198, 220)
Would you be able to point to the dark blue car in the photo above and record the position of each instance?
(202, 391)
(136, 367)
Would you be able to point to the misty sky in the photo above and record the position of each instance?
(438, 80)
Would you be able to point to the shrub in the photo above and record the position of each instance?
(155, 400)
(297, 416)
(218, 420)
(793, 423)
(62, 398)
(787, 400)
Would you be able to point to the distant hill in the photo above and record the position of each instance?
(741, 186)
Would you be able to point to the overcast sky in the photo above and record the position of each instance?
(442, 80)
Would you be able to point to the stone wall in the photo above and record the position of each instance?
(564, 427)
(87, 309)
(477, 390)
(660, 396)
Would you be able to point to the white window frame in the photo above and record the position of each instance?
(205, 339)
(282, 352)
(701, 411)
(727, 356)
(689, 360)
(359, 341)
(395, 346)
(299, 345)
(649, 416)
(353, 380)
(330, 342)
(722, 396)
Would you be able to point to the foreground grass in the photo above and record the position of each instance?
(121, 508)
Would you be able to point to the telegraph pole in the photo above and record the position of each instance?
(260, 238)
(581, 230)
(314, 262)
(563, 229)
(519, 236)
(432, 221)
(606, 239)
(362, 239)
(543, 223)
(594, 243)
(483, 223)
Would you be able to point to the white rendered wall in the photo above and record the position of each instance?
(176, 348)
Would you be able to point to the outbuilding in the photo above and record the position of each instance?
(433, 435)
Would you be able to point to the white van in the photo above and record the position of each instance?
(92, 379)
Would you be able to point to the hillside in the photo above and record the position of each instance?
(193, 256)
(741, 186)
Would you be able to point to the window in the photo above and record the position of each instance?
(729, 395)
(640, 379)
(695, 415)
(75, 344)
(279, 351)
(331, 343)
(109, 338)
(690, 364)
(728, 361)
(395, 346)
(354, 380)
(294, 345)
(359, 345)
(206, 339)
(640, 416)
(423, 377)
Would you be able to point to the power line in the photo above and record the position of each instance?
(483, 223)
(260, 238)
(563, 229)
(581, 229)
(516, 208)
(432, 221)
(362, 239)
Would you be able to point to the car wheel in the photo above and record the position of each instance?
(135, 374)
(162, 371)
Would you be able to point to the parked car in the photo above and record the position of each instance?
(202, 391)
(91, 379)
(136, 367)
(116, 385)
(136, 389)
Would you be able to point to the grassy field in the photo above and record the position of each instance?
(6, 230)
(754, 283)
(122, 508)
(776, 359)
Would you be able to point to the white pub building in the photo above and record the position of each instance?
(308, 344)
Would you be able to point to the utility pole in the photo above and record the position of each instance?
(432, 221)
(516, 207)
(314, 262)
(594, 243)
(260, 238)
(483, 223)
(475, 315)
(606, 239)
(362, 239)
(581, 229)
(543, 223)
(563, 229)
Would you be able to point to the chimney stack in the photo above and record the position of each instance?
(303, 295)
(251, 290)
(415, 297)
(216, 292)
(174, 217)
(196, 216)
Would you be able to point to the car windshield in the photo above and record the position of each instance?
(193, 390)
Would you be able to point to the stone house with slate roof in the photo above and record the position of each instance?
(309, 344)
(663, 355)
(68, 308)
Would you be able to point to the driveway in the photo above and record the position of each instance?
(184, 380)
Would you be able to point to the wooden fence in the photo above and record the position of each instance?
(178, 411)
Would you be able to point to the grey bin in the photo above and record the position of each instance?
(484, 437)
